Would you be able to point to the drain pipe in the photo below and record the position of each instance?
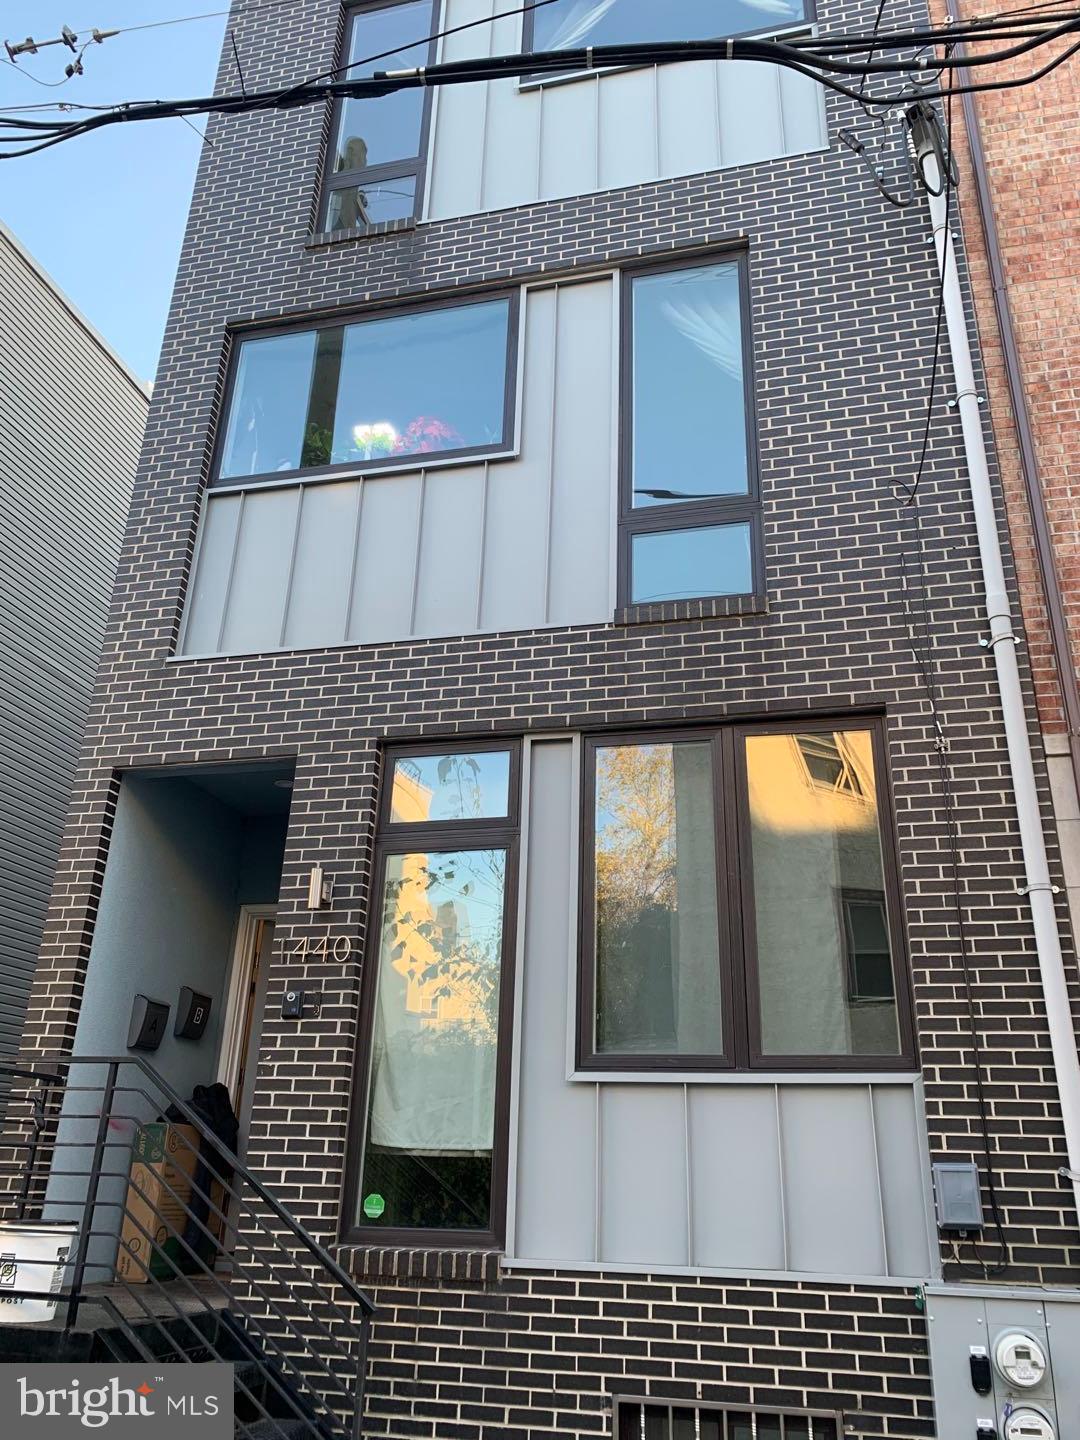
(1003, 642)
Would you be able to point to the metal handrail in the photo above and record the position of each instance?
(359, 1297)
(254, 1329)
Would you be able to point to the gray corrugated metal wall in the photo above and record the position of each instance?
(738, 1174)
(71, 423)
(499, 144)
(510, 545)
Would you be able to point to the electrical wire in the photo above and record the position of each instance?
(795, 54)
(924, 652)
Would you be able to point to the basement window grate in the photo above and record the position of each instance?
(637, 1419)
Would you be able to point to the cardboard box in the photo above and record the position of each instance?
(163, 1162)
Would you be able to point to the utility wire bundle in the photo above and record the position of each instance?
(838, 62)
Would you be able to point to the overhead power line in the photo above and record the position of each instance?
(817, 57)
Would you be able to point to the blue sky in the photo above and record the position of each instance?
(104, 214)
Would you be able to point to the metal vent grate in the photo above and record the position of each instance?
(653, 1420)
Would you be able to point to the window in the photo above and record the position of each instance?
(737, 913)
(375, 169)
(437, 381)
(440, 994)
(567, 24)
(690, 512)
(657, 1420)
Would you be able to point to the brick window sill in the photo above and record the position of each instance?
(716, 608)
(368, 232)
(472, 1267)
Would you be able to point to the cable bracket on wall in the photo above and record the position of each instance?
(1042, 885)
(963, 395)
(989, 641)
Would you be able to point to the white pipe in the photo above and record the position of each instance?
(999, 614)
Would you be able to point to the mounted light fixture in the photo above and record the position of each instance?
(320, 889)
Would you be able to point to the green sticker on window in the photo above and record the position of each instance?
(374, 1205)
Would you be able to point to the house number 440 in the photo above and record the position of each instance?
(339, 949)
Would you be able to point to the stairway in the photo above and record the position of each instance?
(266, 1405)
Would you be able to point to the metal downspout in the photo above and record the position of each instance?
(1029, 465)
(1038, 887)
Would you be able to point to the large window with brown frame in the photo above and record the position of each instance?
(740, 905)
(375, 165)
(430, 1139)
(567, 24)
(690, 513)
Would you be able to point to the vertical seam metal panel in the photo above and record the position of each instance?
(574, 908)
(655, 92)
(480, 567)
(777, 76)
(227, 595)
(552, 436)
(597, 1174)
(877, 1179)
(486, 90)
(524, 846)
(287, 600)
(689, 1169)
(780, 1176)
(354, 562)
(421, 493)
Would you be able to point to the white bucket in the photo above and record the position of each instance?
(33, 1257)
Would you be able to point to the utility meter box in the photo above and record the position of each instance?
(1031, 1339)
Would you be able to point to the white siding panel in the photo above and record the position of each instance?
(382, 599)
(208, 594)
(511, 147)
(643, 1174)
(264, 547)
(319, 593)
(901, 1156)
(515, 552)
(450, 541)
(628, 129)
(583, 445)
(568, 140)
(533, 142)
(750, 120)
(556, 1203)
(689, 125)
(831, 1180)
(737, 1197)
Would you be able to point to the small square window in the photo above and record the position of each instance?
(683, 564)
(460, 785)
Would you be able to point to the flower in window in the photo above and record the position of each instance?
(375, 441)
(426, 434)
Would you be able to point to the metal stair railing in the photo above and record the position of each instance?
(226, 1246)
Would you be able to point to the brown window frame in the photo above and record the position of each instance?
(403, 838)
(415, 166)
(503, 448)
(687, 514)
(737, 957)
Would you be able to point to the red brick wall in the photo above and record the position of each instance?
(1031, 138)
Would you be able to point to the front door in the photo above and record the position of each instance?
(256, 964)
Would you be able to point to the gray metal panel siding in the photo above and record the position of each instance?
(506, 545)
(71, 423)
(556, 1205)
(808, 1178)
(548, 142)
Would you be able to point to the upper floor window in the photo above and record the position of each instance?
(437, 381)
(738, 912)
(566, 24)
(376, 164)
(690, 512)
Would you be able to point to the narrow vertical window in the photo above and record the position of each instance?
(375, 169)
(690, 513)
(435, 1117)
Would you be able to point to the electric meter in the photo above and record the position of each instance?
(1021, 1361)
(1024, 1424)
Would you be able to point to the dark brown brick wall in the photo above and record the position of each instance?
(843, 300)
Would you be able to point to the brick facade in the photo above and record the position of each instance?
(843, 301)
